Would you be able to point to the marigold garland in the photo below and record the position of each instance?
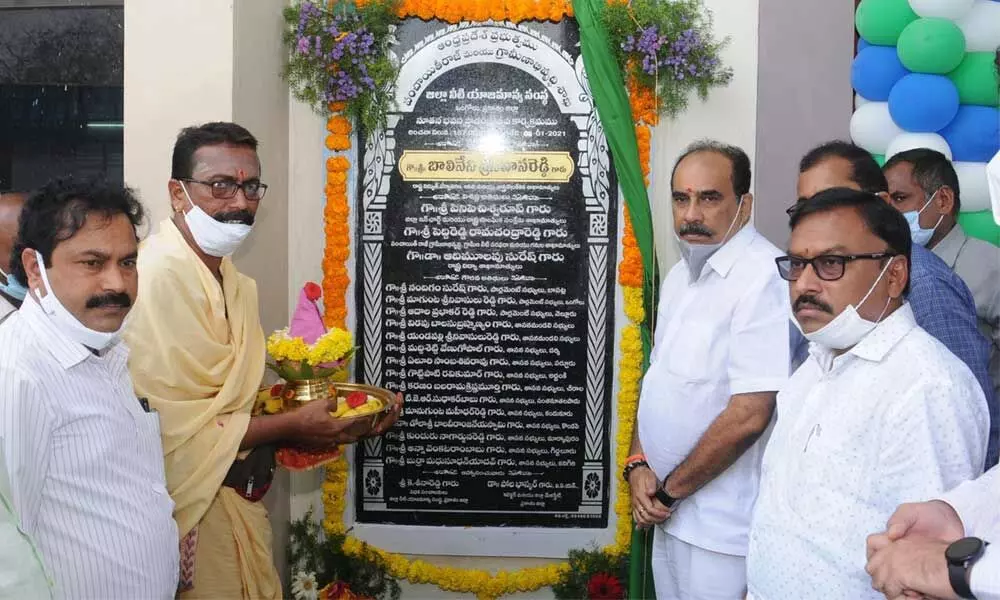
(486, 585)
(452, 11)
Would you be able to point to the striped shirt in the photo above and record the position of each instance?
(85, 463)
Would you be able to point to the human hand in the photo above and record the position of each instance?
(646, 510)
(312, 425)
(911, 568)
(389, 418)
(930, 521)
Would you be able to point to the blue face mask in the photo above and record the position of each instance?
(13, 287)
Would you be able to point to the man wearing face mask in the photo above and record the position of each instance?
(941, 302)
(81, 450)
(198, 355)
(720, 354)
(923, 186)
(12, 291)
(880, 413)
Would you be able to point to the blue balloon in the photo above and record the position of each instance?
(863, 43)
(923, 103)
(875, 70)
(974, 133)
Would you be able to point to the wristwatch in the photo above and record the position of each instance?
(961, 555)
(664, 498)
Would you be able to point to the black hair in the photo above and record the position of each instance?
(864, 170)
(191, 139)
(887, 223)
(931, 170)
(738, 160)
(57, 211)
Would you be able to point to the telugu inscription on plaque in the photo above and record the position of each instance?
(485, 284)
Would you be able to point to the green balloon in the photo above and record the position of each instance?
(881, 21)
(980, 225)
(976, 79)
(880, 159)
(931, 46)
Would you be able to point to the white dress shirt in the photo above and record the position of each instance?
(22, 574)
(978, 264)
(6, 308)
(85, 463)
(897, 418)
(721, 335)
(978, 505)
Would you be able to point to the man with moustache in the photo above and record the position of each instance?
(81, 451)
(198, 356)
(880, 413)
(720, 354)
(924, 187)
(941, 302)
(12, 291)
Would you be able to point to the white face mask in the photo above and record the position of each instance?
(848, 328)
(993, 180)
(213, 237)
(696, 255)
(917, 233)
(70, 325)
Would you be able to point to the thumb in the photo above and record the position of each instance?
(897, 531)
(331, 403)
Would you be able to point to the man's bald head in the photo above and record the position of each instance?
(10, 210)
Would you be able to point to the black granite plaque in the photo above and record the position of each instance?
(486, 284)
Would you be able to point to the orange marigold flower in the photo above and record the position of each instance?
(338, 142)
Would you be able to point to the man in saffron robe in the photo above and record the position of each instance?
(198, 355)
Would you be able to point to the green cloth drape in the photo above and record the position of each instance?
(607, 85)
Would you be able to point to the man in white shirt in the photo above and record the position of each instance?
(880, 413)
(83, 454)
(924, 552)
(924, 187)
(11, 291)
(720, 353)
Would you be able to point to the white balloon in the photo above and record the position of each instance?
(975, 190)
(942, 9)
(981, 26)
(860, 101)
(909, 141)
(872, 127)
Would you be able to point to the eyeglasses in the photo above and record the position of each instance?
(224, 190)
(828, 267)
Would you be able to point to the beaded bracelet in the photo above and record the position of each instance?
(631, 466)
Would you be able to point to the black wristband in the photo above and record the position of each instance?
(664, 498)
(631, 467)
(960, 556)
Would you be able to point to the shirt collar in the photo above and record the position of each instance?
(949, 247)
(876, 345)
(723, 260)
(66, 351)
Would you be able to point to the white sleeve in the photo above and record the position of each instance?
(759, 340)
(26, 425)
(976, 503)
(985, 578)
(938, 438)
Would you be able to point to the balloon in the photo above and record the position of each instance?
(923, 103)
(881, 21)
(976, 79)
(880, 159)
(975, 191)
(875, 70)
(974, 133)
(980, 225)
(943, 9)
(909, 141)
(872, 128)
(931, 46)
(862, 44)
(860, 101)
(981, 27)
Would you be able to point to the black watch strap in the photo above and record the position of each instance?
(960, 556)
(665, 498)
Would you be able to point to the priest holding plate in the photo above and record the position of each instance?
(198, 358)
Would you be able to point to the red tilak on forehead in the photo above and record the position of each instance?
(242, 174)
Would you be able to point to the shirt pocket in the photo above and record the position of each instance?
(698, 351)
